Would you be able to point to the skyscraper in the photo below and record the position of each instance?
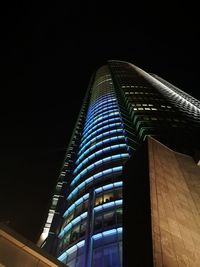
(122, 107)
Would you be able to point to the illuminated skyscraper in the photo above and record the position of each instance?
(122, 107)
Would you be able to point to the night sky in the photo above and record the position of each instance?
(48, 53)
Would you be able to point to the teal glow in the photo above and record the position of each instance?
(98, 137)
(100, 152)
(106, 233)
(101, 101)
(107, 187)
(101, 107)
(107, 107)
(99, 125)
(72, 223)
(99, 115)
(109, 205)
(75, 204)
(102, 129)
(96, 176)
(102, 118)
(64, 255)
(98, 163)
(99, 144)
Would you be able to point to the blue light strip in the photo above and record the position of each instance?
(98, 137)
(109, 205)
(107, 233)
(108, 186)
(96, 176)
(111, 106)
(99, 125)
(100, 108)
(64, 255)
(72, 223)
(99, 144)
(75, 204)
(101, 152)
(109, 94)
(110, 115)
(98, 163)
(104, 128)
(102, 96)
(100, 103)
(95, 118)
(101, 100)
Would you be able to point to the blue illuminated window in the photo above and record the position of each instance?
(75, 252)
(99, 144)
(73, 206)
(102, 129)
(101, 105)
(109, 205)
(109, 106)
(96, 176)
(109, 186)
(102, 118)
(100, 108)
(99, 125)
(100, 136)
(96, 118)
(101, 152)
(102, 102)
(72, 223)
(98, 163)
(108, 232)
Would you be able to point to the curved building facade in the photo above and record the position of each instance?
(122, 106)
(92, 220)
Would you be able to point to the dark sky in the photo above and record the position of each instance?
(48, 53)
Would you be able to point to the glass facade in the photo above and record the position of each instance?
(121, 108)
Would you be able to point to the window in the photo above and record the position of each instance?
(66, 240)
(107, 254)
(97, 257)
(111, 255)
(78, 209)
(85, 206)
(75, 233)
(154, 119)
(68, 219)
(118, 193)
(109, 218)
(119, 215)
(83, 229)
(98, 222)
(109, 196)
(99, 200)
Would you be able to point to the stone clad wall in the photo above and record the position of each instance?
(16, 251)
(175, 207)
